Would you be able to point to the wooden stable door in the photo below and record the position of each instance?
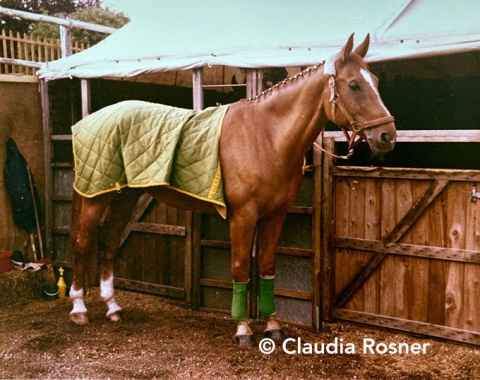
(406, 250)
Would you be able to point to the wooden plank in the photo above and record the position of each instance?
(147, 287)
(398, 231)
(456, 204)
(416, 210)
(188, 256)
(424, 136)
(410, 250)
(408, 173)
(157, 228)
(216, 283)
(373, 218)
(196, 260)
(144, 201)
(197, 82)
(402, 264)
(471, 316)
(356, 229)
(57, 20)
(15, 78)
(419, 267)
(86, 97)
(387, 269)
(428, 329)
(47, 156)
(317, 235)
(287, 251)
(327, 259)
(436, 268)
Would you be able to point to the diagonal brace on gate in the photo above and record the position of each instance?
(394, 236)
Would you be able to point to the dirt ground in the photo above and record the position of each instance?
(161, 340)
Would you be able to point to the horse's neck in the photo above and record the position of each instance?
(297, 111)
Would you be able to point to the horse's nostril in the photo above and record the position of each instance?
(386, 137)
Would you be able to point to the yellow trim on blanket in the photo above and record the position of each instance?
(219, 206)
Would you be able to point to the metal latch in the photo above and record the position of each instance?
(474, 194)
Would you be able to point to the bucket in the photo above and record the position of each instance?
(50, 292)
(5, 261)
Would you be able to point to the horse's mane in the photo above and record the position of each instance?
(275, 87)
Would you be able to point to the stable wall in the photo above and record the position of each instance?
(20, 119)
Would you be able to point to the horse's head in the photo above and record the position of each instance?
(352, 100)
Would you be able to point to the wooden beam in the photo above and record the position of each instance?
(143, 202)
(86, 97)
(424, 136)
(409, 326)
(156, 228)
(65, 41)
(20, 62)
(47, 157)
(410, 250)
(148, 287)
(400, 229)
(407, 173)
(327, 258)
(197, 88)
(58, 21)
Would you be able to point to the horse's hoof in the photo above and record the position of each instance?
(114, 317)
(276, 335)
(79, 318)
(245, 340)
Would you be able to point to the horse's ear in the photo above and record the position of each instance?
(362, 49)
(347, 49)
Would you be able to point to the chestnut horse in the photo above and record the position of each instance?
(262, 148)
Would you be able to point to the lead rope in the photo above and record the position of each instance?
(346, 157)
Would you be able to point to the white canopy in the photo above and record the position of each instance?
(186, 34)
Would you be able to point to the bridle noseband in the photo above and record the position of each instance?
(355, 125)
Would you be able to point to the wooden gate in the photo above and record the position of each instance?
(405, 250)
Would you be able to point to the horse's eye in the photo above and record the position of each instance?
(354, 85)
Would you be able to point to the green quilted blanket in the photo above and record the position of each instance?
(140, 144)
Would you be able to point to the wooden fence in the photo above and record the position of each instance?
(16, 47)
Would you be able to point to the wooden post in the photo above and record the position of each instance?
(197, 82)
(317, 235)
(196, 292)
(254, 82)
(86, 100)
(66, 40)
(47, 153)
(327, 262)
(254, 88)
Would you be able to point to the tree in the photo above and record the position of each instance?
(92, 14)
(82, 10)
(60, 8)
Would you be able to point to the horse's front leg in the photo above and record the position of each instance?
(242, 227)
(109, 243)
(268, 234)
(86, 215)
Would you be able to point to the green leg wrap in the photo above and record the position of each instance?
(239, 301)
(267, 300)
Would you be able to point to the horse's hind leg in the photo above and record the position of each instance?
(86, 215)
(109, 242)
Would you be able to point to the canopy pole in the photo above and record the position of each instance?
(197, 87)
(65, 41)
(47, 154)
(86, 98)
